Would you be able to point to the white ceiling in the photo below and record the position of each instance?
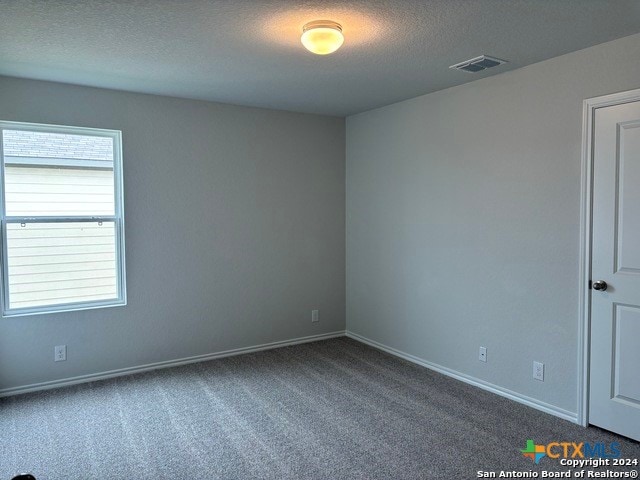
(248, 52)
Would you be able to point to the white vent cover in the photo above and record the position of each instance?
(478, 64)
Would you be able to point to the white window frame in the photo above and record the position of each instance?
(117, 219)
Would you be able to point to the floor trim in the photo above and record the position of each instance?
(531, 402)
(34, 387)
(476, 382)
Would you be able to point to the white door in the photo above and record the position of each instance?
(614, 397)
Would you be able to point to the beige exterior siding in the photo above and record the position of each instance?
(56, 263)
(35, 191)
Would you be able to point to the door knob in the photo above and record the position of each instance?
(600, 285)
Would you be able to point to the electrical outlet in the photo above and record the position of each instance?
(538, 371)
(59, 353)
(483, 354)
(314, 316)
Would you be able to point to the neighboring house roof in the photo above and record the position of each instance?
(22, 147)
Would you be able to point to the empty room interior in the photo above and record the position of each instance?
(319, 240)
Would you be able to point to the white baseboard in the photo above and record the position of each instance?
(476, 382)
(531, 402)
(34, 387)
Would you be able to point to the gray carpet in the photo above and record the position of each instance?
(335, 409)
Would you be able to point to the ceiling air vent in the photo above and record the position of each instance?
(478, 64)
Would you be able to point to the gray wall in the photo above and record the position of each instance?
(463, 220)
(234, 231)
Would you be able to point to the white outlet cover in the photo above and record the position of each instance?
(538, 371)
(59, 353)
(482, 355)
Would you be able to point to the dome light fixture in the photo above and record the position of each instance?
(322, 37)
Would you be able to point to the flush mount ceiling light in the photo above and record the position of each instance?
(322, 37)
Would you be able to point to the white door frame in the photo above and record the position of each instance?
(584, 325)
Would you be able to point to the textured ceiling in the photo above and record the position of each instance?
(248, 52)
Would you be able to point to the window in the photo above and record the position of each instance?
(62, 218)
